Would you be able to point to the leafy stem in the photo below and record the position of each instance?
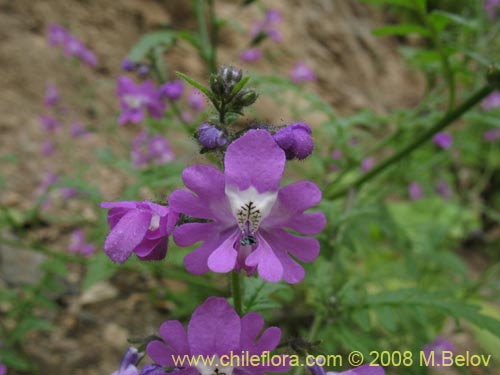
(236, 292)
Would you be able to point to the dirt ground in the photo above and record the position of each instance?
(355, 70)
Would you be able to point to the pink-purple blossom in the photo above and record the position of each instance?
(248, 213)
(68, 192)
(48, 180)
(51, 96)
(436, 349)
(295, 140)
(78, 130)
(172, 90)
(58, 36)
(49, 123)
(443, 140)
(48, 147)
(78, 244)
(138, 227)
(196, 100)
(443, 189)
(492, 135)
(302, 73)
(251, 55)
(215, 329)
(269, 26)
(491, 101)
(367, 164)
(147, 150)
(128, 363)
(415, 191)
(136, 99)
(210, 137)
(492, 8)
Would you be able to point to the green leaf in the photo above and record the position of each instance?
(27, 325)
(402, 29)
(196, 84)
(258, 294)
(152, 40)
(440, 19)
(240, 85)
(409, 4)
(99, 268)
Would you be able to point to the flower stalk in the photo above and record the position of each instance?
(236, 292)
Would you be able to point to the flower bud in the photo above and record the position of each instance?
(128, 65)
(143, 71)
(210, 137)
(295, 140)
(245, 98)
(172, 90)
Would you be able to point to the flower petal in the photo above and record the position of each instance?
(153, 249)
(268, 265)
(185, 202)
(223, 258)
(312, 223)
(206, 181)
(174, 334)
(196, 262)
(251, 325)
(126, 235)
(254, 160)
(214, 328)
(305, 249)
(190, 233)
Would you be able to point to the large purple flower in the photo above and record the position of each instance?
(248, 213)
(128, 363)
(135, 99)
(215, 330)
(139, 227)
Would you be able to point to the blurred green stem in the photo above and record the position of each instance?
(236, 291)
(208, 39)
(445, 121)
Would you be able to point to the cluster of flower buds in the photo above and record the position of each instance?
(141, 69)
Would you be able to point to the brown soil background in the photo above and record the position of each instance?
(355, 70)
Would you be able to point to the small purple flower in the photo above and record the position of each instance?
(68, 192)
(302, 73)
(56, 35)
(251, 55)
(336, 155)
(492, 8)
(48, 180)
(3, 369)
(51, 96)
(437, 347)
(415, 191)
(88, 57)
(295, 140)
(48, 147)
(147, 150)
(492, 135)
(172, 90)
(196, 100)
(248, 213)
(210, 137)
(215, 329)
(443, 189)
(160, 150)
(143, 70)
(49, 123)
(361, 370)
(73, 46)
(138, 227)
(128, 65)
(78, 130)
(136, 98)
(367, 164)
(78, 245)
(269, 26)
(492, 101)
(128, 363)
(443, 140)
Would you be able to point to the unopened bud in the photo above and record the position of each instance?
(210, 137)
(295, 140)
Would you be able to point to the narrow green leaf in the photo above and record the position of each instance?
(149, 41)
(402, 29)
(195, 84)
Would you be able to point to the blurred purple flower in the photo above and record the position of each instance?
(128, 65)
(78, 244)
(443, 140)
(68, 192)
(443, 189)
(317, 369)
(492, 8)
(73, 46)
(135, 99)
(251, 55)
(48, 180)
(48, 147)
(148, 149)
(143, 70)
(415, 191)
(295, 140)
(492, 135)
(51, 95)
(437, 347)
(88, 57)
(138, 227)
(248, 213)
(3, 369)
(196, 100)
(269, 26)
(210, 137)
(336, 155)
(78, 130)
(49, 123)
(367, 164)
(172, 90)
(187, 116)
(128, 363)
(302, 73)
(492, 101)
(216, 330)
(56, 35)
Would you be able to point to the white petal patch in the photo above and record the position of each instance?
(215, 369)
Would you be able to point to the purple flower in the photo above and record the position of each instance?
(492, 8)
(153, 369)
(492, 101)
(172, 90)
(49, 123)
(215, 329)
(196, 100)
(361, 370)
(415, 191)
(437, 347)
(78, 244)
(248, 213)
(210, 137)
(73, 46)
(56, 35)
(295, 140)
(139, 227)
(336, 155)
(302, 73)
(48, 180)
(443, 189)
(128, 65)
(78, 130)
(51, 96)
(127, 365)
(492, 135)
(268, 26)
(147, 150)
(68, 192)
(143, 70)
(135, 99)
(251, 55)
(88, 57)
(367, 164)
(3, 369)
(48, 147)
(443, 140)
